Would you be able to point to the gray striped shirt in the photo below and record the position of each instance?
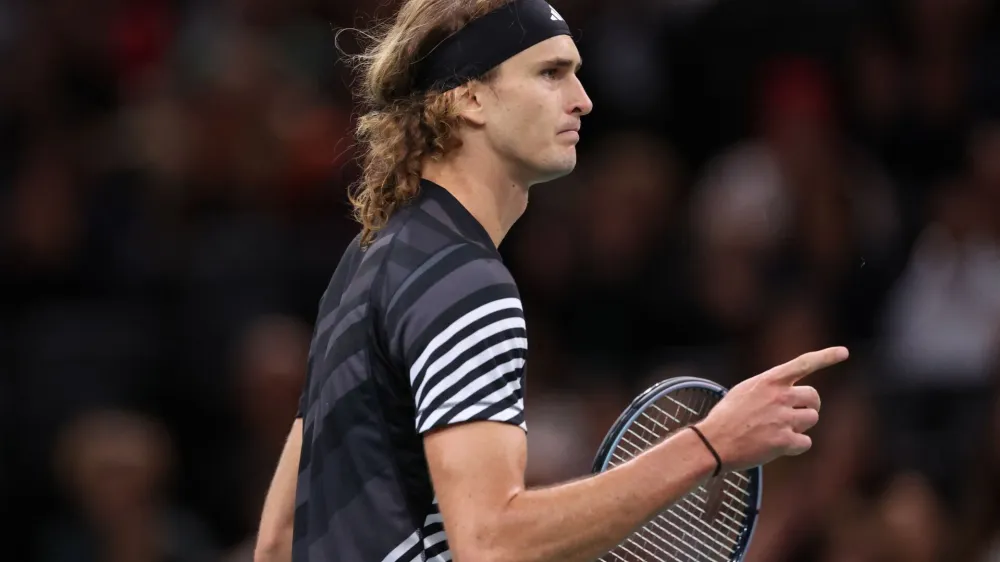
(422, 330)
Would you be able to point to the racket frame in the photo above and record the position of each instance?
(652, 395)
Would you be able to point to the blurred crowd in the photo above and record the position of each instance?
(759, 178)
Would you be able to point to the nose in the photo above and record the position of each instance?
(582, 104)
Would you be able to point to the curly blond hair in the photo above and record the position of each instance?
(401, 128)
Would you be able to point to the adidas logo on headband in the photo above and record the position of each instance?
(555, 15)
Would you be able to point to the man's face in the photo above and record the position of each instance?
(532, 110)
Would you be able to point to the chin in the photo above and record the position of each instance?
(553, 174)
(556, 169)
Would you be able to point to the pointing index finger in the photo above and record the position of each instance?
(808, 363)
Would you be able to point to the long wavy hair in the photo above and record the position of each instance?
(400, 128)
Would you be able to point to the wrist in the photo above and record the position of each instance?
(716, 458)
(685, 444)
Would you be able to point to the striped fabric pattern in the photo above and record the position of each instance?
(422, 330)
(460, 375)
(432, 548)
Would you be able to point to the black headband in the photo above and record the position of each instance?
(488, 41)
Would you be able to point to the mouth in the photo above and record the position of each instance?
(571, 133)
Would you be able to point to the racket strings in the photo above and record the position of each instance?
(703, 526)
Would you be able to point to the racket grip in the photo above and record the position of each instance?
(718, 460)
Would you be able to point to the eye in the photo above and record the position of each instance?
(551, 73)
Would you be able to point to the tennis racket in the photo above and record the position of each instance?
(712, 523)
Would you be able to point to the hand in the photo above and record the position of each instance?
(765, 417)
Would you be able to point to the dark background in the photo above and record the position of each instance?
(758, 179)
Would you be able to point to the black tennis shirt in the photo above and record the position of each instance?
(421, 330)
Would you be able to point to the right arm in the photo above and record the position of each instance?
(463, 339)
(478, 473)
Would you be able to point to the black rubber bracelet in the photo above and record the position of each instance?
(718, 461)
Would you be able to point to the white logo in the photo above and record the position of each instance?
(555, 15)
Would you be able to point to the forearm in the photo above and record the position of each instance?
(584, 519)
(276, 548)
(274, 537)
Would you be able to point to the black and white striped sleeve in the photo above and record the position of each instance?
(464, 343)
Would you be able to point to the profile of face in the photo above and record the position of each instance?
(529, 115)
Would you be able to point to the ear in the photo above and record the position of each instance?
(469, 99)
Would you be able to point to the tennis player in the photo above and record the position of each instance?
(411, 444)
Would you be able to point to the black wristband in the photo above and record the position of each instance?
(718, 461)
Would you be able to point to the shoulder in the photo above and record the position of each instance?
(460, 286)
(427, 259)
(453, 273)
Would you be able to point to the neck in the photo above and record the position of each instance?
(491, 194)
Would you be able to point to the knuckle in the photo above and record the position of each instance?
(787, 417)
(788, 438)
(783, 439)
(807, 366)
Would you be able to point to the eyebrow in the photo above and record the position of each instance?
(561, 62)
